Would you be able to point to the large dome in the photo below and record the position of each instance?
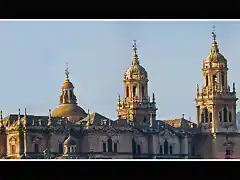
(69, 110)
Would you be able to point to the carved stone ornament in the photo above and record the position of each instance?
(166, 134)
(111, 132)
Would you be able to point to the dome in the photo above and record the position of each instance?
(68, 110)
(67, 84)
(137, 69)
(69, 141)
(215, 56)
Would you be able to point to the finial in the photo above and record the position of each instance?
(19, 112)
(234, 89)
(153, 97)
(49, 114)
(89, 119)
(135, 56)
(134, 46)
(197, 90)
(119, 99)
(66, 71)
(25, 112)
(214, 32)
(1, 116)
(183, 116)
(49, 117)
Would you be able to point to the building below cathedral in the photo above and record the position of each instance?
(69, 132)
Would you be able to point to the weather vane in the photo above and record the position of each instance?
(66, 71)
(214, 32)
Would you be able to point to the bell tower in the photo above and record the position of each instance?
(216, 103)
(136, 104)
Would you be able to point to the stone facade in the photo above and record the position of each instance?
(68, 132)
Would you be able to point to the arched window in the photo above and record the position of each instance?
(206, 80)
(13, 147)
(134, 146)
(225, 116)
(109, 142)
(134, 90)
(214, 79)
(36, 148)
(222, 77)
(127, 91)
(220, 116)
(104, 147)
(165, 147)
(230, 116)
(193, 151)
(206, 114)
(115, 147)
(210, 116)
(202, 118)
(145, 119)
(60, 147)
(138, 149)
(143, 91)
(160, 150)
(170, 149)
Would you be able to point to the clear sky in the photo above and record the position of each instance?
(33, 57)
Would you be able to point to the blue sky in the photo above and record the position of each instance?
(33, 57)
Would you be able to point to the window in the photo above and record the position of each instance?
(104, 147)
(139, 149)
(202, 118)
(13, 148)
(115, 147)
(229, 116)
(133, 147)
(127, 91)
(193, 151)
(206, 114)
(60, 148)
(214, 79)
(143, 91)
(210, 117)
(145, 120)
(228, 153)
(222, 79)
(165, 147)
(171, 149)
(36, 148)
(134, 90)
(69, 149)
(220, 116)
(109, 145)
(207, 80)
(225, 114)
(160, 150)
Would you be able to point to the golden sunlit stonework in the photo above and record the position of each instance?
(68, 132)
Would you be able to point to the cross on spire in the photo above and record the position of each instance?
(134, 46)
(66, 71)
(214, 32)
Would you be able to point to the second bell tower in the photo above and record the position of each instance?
(136, 104)
(216, 103)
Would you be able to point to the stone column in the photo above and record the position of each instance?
(186, 146)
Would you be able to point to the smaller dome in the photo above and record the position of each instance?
(69, 141)
(137, 69)
(67, 84)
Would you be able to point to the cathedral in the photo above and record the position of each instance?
(70, 132)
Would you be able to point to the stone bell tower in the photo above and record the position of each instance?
(216, 103)
(136, 104)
